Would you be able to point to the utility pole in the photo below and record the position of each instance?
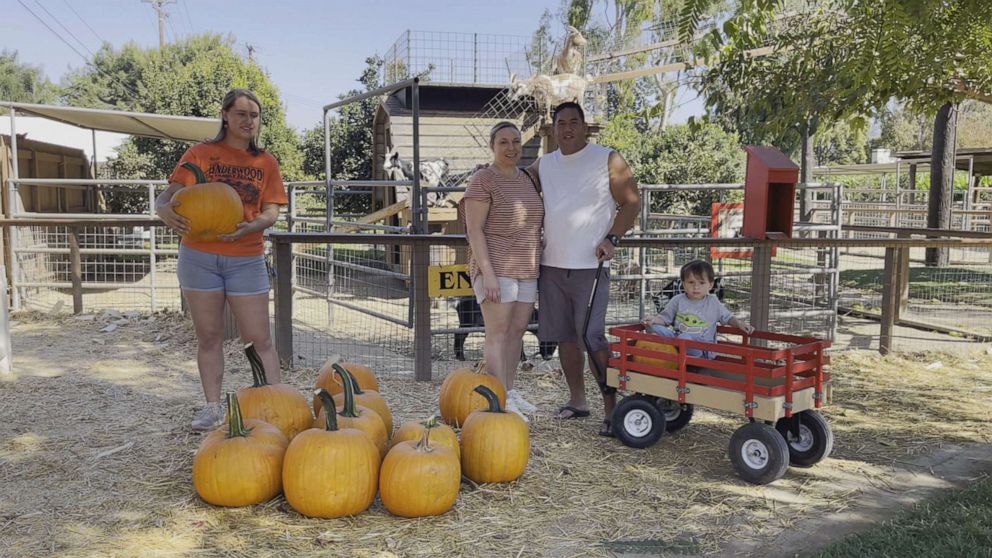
(159, 7)
(251, 51)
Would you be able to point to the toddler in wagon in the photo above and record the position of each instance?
(695, 313)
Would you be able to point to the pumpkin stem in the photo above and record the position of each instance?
(197, 171)
(348, 381)
(431, 422)
(481, 367)
(236, 424)
(330, 410)
(424, 444)
(257, 368)
(490, 396)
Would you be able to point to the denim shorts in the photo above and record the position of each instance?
(510, 289)
(232, 275)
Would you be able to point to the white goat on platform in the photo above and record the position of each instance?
(549, 91)
(570, 59)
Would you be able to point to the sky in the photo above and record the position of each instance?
(313, 50)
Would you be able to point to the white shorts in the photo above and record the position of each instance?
(510, 290)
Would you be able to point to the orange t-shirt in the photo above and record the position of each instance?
(256, 178)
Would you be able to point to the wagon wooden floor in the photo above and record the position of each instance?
(95, 456)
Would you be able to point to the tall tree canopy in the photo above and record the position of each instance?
(22, 82)
(188, 78)
(852, 57)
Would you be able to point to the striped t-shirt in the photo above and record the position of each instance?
(513, 226)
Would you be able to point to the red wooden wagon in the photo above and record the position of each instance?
(777, 381)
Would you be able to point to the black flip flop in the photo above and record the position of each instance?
(576, 412)
(607, 429)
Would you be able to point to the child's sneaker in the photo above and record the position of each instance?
(521, 403)
(210, 416)
(511, 407)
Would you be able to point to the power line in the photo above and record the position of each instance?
(71, 34)
(95, 34)
(81, 55)
(54, 32)
(192, 30)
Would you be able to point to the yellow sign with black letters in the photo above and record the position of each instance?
(448, 281)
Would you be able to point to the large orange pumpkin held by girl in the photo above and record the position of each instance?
(213, 208)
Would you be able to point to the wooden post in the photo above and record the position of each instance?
(902, 278)
(890, 302)
(230, 324)
(75, 271)
(6, 359)
(421, 314)
(761, 279)
(283, 252)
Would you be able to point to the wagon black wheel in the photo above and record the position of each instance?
(758, 453)
(638, 422)
(677, 415)
(813, 441)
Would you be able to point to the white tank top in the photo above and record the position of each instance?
(578, 206)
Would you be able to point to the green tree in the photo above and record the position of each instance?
(680, 154)
(866, 51)
(350, 140)
(24, 83)
(188, 78)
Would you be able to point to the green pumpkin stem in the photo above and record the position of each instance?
(431, 422)
(490, 396)
(330, 409)
(257, 368)
(197, 171)
(348, 381)
(236, 424)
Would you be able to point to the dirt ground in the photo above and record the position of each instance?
(95, 459)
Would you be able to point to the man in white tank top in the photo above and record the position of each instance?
(590, 201)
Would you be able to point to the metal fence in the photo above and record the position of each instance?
(463, 58)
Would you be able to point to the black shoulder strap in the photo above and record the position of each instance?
(532, 181)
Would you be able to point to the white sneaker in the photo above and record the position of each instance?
(511, 407)
(521, 403)
(210, 416)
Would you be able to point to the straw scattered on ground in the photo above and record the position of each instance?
(95, 459)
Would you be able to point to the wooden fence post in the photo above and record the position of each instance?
(761, 278)
(890, 301)
(75, 271)
(421, 313)
(283, 254)
(7, 358)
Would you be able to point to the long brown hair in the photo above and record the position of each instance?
(228, 102)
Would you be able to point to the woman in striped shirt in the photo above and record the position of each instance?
(503, 217)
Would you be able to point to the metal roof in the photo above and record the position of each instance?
(978, 159)
(165, 126)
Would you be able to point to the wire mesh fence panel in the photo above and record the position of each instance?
(348, 301)
(117, 268)
(464, 58)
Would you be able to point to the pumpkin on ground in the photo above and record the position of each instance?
(330, 472)
(657, 347)
(280, 405)
(356, 416)
(458, 400)
(441, 434)
(329, 380)
(495, 444)
(213, 208)
(240, 463)
(367, 398)
(419, 479)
